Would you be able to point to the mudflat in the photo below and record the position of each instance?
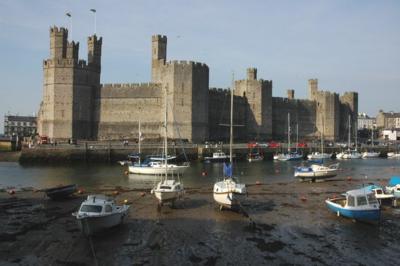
(279, 223)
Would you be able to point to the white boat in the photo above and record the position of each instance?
(353, 154)
(154, 165)
(157, 168)
(99, 212)
(229, 192)
(169, 188)
(394, 155)
(380, 194)
(319, 156)
(349, 154)
(359, 204)
(316, 171)
(255, 157)
(370, 154)
(290, 156)
(218, 156)
(393, 186)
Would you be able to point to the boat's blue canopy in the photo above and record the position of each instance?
(394, 180)
(360, 191)
(371, 187)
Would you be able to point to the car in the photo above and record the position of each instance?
(252, 144)
(301, 145)
(274, 144)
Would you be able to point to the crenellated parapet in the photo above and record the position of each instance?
(131, 90)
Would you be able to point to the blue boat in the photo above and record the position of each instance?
(359, 204)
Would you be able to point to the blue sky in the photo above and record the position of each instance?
(348, 45)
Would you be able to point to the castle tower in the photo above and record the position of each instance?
(290, 94)
(94, 51)
(58, 43)
(252, 73)
(312, 88)
(66, 110)
(158, 56)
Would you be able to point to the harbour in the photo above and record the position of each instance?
(282, 220)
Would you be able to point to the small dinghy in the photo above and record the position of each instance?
(359, 204)
(61, 192)
(99, 212)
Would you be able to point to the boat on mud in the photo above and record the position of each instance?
(61, 192)
(99, 212)
(316, 171)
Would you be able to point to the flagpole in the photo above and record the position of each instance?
(68, 14)
(95, 19)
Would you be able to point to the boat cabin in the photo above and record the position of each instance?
(97, 204)
(359, 198)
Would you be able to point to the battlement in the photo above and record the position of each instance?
(128, 85)
(187, 63)
(56, 30)
(159, 37)
(93, 39)
(65, 62)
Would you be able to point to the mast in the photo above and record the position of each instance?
(231, 125)
(349, 134)
(356, 131)
(140, 136)
(297, 136)
(322, 135)
(165, 133)
(288, 133)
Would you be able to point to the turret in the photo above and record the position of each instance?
(58, 42)
(290, 94)
(73, 50)
(94, 51)
(158, 55)
(252, 73)
(312, 88)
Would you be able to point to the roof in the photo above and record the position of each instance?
(360, 191)
(21, 118)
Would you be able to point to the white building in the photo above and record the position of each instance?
(364, 121)
(389, 134)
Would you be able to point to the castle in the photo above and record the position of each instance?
(76, 106)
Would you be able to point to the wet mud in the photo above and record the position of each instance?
(278, 224)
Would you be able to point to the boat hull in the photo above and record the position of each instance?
(229, 200)
(59, 193)
(315, 174)
(90, 225)
(167, 196)
(147, 170)
(366, 215)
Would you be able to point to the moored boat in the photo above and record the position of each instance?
(218, 156)
(394, 155)
(393, 186)
(359, 204)
(156, 168)
(316, 171)
(61, 192)
(255, 157)
(99, 212)
(370, 154)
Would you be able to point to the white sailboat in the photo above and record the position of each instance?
(170, 188)
(290, 156)
(320, 155)
(229, 192)
(155, 166)
(371, 154)
(349, 154)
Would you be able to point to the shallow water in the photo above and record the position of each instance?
(198, 175)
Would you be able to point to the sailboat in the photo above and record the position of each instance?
(290, 156)
(170, 188)
(371, 154)
(349, 154)
(155, 166)
(229, 192)
(320, 155)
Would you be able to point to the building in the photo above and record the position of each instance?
(388, 120)
(389, 134)
(22, 126)
(75, 104)
(366, 122)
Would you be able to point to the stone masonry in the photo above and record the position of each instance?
(76, 106)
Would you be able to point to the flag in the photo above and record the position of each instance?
(93, 10)
(68, 14)
(227, 170)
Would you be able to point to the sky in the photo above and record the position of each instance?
(347, 45)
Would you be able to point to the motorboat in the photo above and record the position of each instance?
(170, 188)
(293, 156)
(255, 157)
(380, 195)
(359, 204)
(319, 156)
(61, 192)
(157, 168)
(349, 154)
(218, 156)
(393, 186)
(316, 171)
(393, 155)
(229, 193)
(99, 212)
(370, 154)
